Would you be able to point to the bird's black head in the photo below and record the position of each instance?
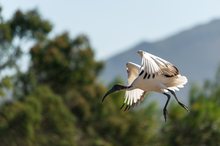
(115, 88)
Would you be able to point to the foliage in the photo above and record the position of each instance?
(36, 120)
(58, 100)
(5, 86)
(15, 32)
(202, 125)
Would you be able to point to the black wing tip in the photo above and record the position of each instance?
(122, 106)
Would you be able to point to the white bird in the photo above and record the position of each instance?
(154, 74)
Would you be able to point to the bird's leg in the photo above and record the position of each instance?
(165, 107)
(180, 103)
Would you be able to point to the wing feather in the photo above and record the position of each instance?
(133, 96)
(155, 65)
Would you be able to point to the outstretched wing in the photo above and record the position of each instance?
(153, 65)
(135, 95)
(133, 71)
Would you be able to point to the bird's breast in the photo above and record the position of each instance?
(149, 84)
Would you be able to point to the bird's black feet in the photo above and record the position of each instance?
(165, 107)
(165, 113)
(180, 103)
(184, 106)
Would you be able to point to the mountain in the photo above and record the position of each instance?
(196, 52)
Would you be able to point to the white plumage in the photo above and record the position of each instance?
(133, 96)
(154, 74)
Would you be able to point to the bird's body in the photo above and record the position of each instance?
(159, 83)
(155, 74)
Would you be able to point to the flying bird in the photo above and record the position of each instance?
(155, 74)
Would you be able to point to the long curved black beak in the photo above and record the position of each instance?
(107, 93)
(115, 88)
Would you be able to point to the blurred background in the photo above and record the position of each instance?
(58, 58)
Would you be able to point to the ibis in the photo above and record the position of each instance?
(153, 75)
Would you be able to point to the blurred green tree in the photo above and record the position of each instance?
(57, 101)
(202, 125)
(41, 118)
(16, 32)
(68, 67)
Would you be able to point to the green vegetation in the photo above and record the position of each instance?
(57, 101)
(202, 125)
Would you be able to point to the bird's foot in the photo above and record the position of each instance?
(165, 113)
(184, 106)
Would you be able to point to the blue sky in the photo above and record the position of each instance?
(114, 26)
